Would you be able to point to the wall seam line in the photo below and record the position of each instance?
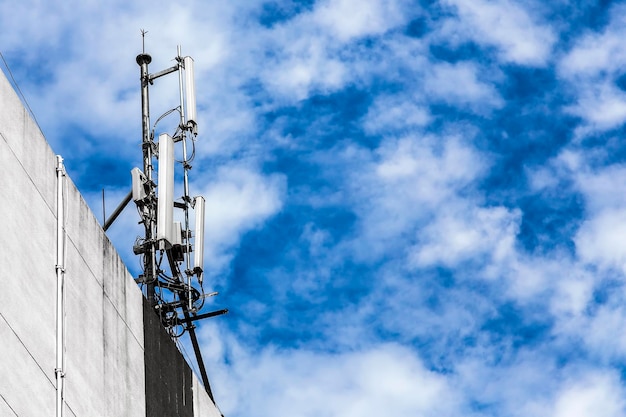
(8, 405)
(27, 350)
(19, 161)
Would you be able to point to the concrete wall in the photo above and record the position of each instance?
(105, 345)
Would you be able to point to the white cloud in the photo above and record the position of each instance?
(529, 278)
(318, 51)
(590, 395)
(348, 19)
(599, 186)
(304, 64)
(403, 183)
(601, 233)
(592, 67)
(601, 105)
(601, 228)
(380, 380)
(598, 53)
(504, 24)
(439, 164)
(601, 240)
(601, 331)
(530, 383)
(593, 54)
(470, 234)
(597, 267)
(392, 113)
(573, 293)
(509, 387)
(459, 84)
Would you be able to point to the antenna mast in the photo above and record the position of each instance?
(143, 41)
(148, 208)
(179, 297)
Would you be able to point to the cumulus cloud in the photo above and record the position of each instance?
(455, 237)
(573, 294)
(391, 113)
(600, 240)
(413, 176)
(302, 66)
(590, 395)
(439, 164)
(593, 65)
(597, 52)
(348, 19)
(386, 378)
(601, 105)
(460, 84)
(518, 36)
(298, 64)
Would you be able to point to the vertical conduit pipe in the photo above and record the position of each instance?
(60, 307)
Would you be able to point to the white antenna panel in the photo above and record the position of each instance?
(139, 184)
(177, 238)
(190, 95)
(165, 207)
(198, 256)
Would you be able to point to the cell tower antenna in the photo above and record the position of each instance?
(174, 289)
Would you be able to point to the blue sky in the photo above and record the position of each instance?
(414, 208)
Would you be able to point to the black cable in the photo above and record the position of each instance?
(167, 113)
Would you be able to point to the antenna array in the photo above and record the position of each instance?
(172, 278)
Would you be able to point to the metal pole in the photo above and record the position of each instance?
(149, 210)
(183, 126)
(196, 349)
(108, 222)
(104, 211)
(60, 274)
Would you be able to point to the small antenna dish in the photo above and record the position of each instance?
(139, 181)
(177, 243)
(198, 258)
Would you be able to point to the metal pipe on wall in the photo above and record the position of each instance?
(60, 307)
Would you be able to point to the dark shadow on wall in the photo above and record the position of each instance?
(168, 376)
